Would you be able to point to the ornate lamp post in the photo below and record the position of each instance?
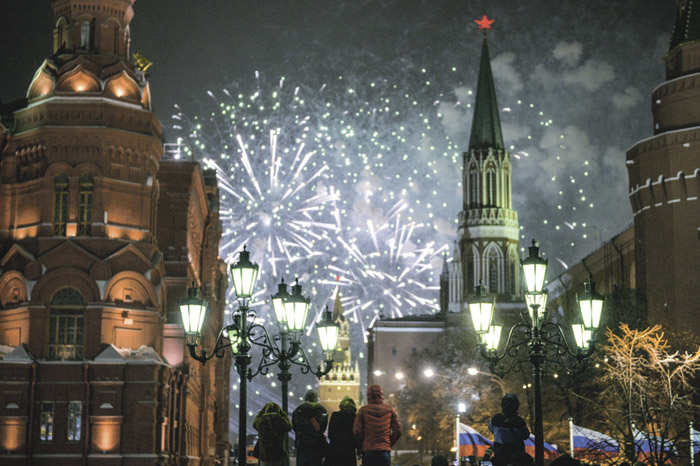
(283, 349)
(536, 340)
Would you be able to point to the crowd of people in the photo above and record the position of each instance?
(371, 432)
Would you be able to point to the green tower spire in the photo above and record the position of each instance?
(486, 125)
(687, 27)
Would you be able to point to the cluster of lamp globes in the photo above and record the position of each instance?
(534, 268)
(290, 309)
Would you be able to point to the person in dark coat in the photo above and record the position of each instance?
(509, 431)
(565, 460)
(342, 450)
(520, 458)
(272, 425)
(309, 421)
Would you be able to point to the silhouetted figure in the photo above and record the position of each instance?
(509, 431)
(376, 429)
(342, 451)
(309, 421)
(438, 460)
(565, 460)
(272, 425)
(520, 458)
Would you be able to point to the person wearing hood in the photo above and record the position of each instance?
(376, 429)
(272, 425)
(509, 431)
(342, 441)
(309, 421)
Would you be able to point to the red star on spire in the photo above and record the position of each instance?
(484, 23)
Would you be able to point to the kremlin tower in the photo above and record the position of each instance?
(344, 379)
(486, 251)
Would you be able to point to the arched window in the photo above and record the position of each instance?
(511, 276)
(85, 35)
(60, 211)
(66, 322)
(61, 34)
(491, 187)
(473, 186)
(85, 210)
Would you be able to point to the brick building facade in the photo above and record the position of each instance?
(99, 239)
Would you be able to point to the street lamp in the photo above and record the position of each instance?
(283, 349)
(496, 379)
(535, 339)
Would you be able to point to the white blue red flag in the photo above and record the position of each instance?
(695, 439)
(472, 442)
(649, 446)
(550, 451)
(588, 439)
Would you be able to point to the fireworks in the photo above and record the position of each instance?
(357, 183)
(393, 277)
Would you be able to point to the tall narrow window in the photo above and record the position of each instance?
(85, 34)
(60, 211)
(66, 322)
(469, 275)
(491, 187)
(85, 211)
(46, 421)
(493, 277)
(75, 414)
(473, 186)
(493, 271)
(507, 200)
(116, 40)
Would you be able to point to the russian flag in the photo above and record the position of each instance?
(695, 439)
(587, 439)
(472, 442)
(550, 451)
(648, 446)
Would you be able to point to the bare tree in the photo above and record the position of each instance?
(649, 393)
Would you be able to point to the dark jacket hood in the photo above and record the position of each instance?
(510, 405)
(311, 396)
(375, 394)
(348, 404)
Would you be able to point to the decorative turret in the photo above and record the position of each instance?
(687, 27)
(90, 54)
(488, 225)
(92, 26)
(686, 32)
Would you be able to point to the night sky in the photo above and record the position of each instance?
(573, 80)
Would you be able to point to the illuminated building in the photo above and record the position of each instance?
(99, 239)
(344, 379)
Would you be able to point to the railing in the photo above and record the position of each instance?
(65, 352)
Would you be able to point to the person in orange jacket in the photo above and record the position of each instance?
(376, 429)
